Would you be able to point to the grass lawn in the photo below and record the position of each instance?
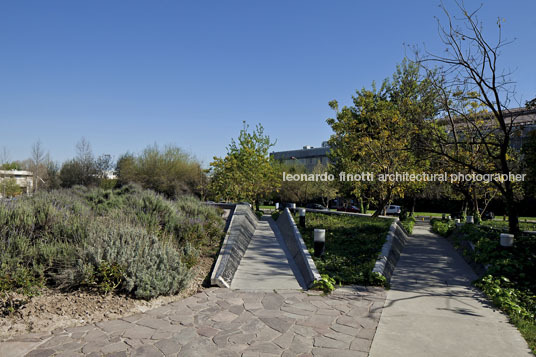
(430, 214)
(525, 226)
(352, 246)
(502, 218)
(267, 207)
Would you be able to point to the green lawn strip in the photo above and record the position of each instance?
(352, 246)
(524, 226)
(267, 207)
(505, 218)
(429, 214)
(510, 280)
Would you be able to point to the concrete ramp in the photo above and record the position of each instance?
(267, 264)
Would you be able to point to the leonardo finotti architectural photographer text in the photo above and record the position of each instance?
(405, 177)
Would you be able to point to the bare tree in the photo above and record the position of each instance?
(475, 95)
(4, 156)
(38, 157)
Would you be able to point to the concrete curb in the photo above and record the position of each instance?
(395, 241)
(296, 246)
(241, 228)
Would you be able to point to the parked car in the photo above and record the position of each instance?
(315, 206)
(288, 205)
(351, 208)
(393, 209)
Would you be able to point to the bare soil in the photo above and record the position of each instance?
(54, 309)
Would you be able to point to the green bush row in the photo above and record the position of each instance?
(129, 240)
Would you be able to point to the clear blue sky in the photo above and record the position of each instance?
(127, 74)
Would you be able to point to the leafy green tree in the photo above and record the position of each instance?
(14, 165)
(9, 187)
(84, 169)
(293, 191)
(378, 135)
(169, 171)
(247, 172)
(74, 172)
(325, 190)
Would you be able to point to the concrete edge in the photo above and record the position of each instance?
(228, 248)
(345, 213)
(215, 278)
(308, 269)
(390, 253)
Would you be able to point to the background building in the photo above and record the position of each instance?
(309, 156)
(24, 180)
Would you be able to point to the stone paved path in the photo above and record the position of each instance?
(223, 322)
(266, 264)
(432, 309)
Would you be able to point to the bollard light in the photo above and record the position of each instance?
(443, 216)
(293, 208)
(277, 205)
(470, 219)
(319, 241)
(302, 217)
(507, 240)
(457, 221)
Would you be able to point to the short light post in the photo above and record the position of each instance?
(457, 221)
(470, 220)
(293, 208)
(507, 240)
(302, 217)
(277, 206)
(319, 242)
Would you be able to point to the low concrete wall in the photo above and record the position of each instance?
(297, 248)
(345, 213)
(394, 243)
(241, 228)
(391, 249)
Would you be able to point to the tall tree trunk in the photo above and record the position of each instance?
(511, 207)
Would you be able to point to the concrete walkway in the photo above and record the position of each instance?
(432, 309)
(266, 264)
(223, 322)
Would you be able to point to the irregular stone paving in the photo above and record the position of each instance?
(223, 322)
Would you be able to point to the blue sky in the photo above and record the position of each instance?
(127, 74)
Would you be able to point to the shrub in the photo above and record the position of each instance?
(441, 227)
(170, 171)
(259, 214)
(128, 239)
(408, 224)
(148, 267)
(326, 284)
(275, 215)
(501, 291)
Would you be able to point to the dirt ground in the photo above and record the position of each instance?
(54, 309)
